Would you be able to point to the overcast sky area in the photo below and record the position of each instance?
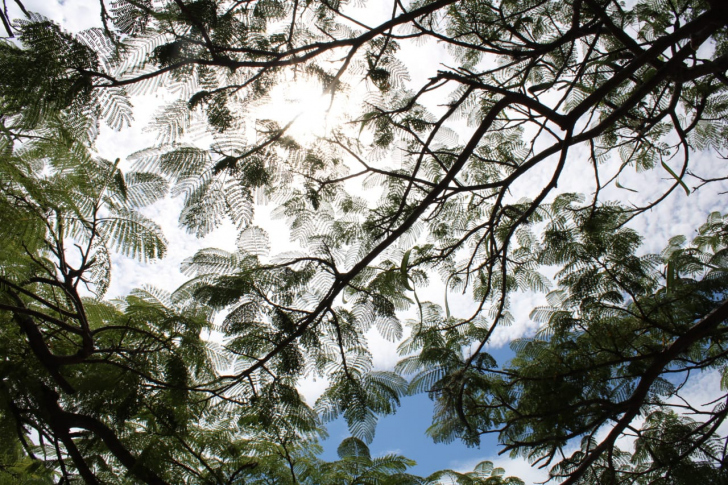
(404, 432)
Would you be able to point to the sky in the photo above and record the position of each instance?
(403, 432)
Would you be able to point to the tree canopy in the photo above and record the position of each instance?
(452, 176)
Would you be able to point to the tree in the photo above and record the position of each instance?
(545, 86)
(128, 390)
(623, 334)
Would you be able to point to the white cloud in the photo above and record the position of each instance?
(72, 15)
(703, 392)
(312, 387)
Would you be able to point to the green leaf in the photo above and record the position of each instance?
(620, 186)
(670, 276)
(447, 307)
(676, 177)
(540, 87)
(353, 447)
(403, 270)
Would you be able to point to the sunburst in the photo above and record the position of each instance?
(306, 108)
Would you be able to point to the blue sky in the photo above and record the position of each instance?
(404, 433)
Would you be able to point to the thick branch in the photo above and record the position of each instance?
(697, 332)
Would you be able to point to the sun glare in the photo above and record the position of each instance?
(306, 107)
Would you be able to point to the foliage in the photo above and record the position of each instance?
(133, 390)
(621, 338)
(128, 390)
